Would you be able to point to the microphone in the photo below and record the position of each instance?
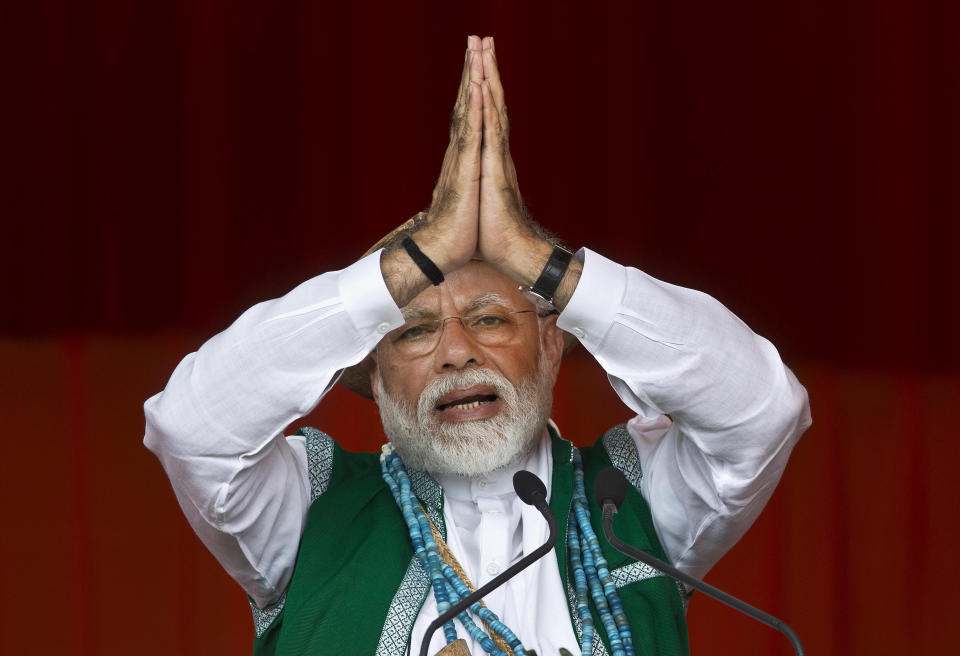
(610, 491)
(532, 492)
(610, 487)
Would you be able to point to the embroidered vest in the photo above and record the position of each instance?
(357, 586)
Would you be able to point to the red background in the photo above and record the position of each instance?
(167, 164)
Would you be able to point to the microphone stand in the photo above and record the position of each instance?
(609, 508)
(540, 503)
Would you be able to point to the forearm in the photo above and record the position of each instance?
(734, 408)
(403, 277)
(217, 427)
(671, 350)
(525, 259)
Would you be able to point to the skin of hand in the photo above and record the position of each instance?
(448, 235)
(476, 205)
(507, 240)
(495, 227)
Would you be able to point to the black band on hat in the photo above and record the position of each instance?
(426, 265)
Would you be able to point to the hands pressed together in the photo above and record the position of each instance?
(476, 208)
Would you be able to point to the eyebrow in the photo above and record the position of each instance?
(413, 312)
(484, 301)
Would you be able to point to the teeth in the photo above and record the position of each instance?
(466, 406)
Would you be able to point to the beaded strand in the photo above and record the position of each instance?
(433, 564)
(448, 587)
(580, 586)
(401, 494)
(591, 574)
(591, 567)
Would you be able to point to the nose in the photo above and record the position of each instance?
(457, 348)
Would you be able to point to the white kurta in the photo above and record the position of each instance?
(735, 412)
(489, 528)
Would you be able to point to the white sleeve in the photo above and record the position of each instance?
(217, 427)
(717, 411)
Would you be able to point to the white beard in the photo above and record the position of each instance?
(474, 447)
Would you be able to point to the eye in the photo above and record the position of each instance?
(488, 321)
(417, 331)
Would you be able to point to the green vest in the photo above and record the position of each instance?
(357, 586)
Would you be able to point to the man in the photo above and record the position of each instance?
(346, 552)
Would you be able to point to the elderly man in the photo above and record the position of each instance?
(457, 330)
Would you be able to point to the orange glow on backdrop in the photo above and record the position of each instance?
(93, 536)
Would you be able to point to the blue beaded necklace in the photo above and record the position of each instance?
(590, 572)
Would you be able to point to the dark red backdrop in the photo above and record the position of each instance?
(167, 164)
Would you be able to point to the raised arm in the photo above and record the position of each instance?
(447, 233)
(508, 240)
(717, 410)
(217, 427)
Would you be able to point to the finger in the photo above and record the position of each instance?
(474, 115)
(472, 71)
(492, 129)
(476, 67)
(492, 74)
(466, 141)
(465, 75)
(468, 64)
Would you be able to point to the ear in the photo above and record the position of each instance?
(369, 365)
(551, 341)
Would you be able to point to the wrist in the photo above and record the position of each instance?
(568, 285)
(424, 263)
(403, 278)
(548, 291)
(438, 248)
(524, 260)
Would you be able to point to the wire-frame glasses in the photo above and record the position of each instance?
(420, 336)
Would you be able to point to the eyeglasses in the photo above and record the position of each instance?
(419, 337)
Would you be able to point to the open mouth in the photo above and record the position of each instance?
(468, 402)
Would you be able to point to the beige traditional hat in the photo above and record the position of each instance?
(356, 378)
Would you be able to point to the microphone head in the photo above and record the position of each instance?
(529, 488)
(610, 487)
